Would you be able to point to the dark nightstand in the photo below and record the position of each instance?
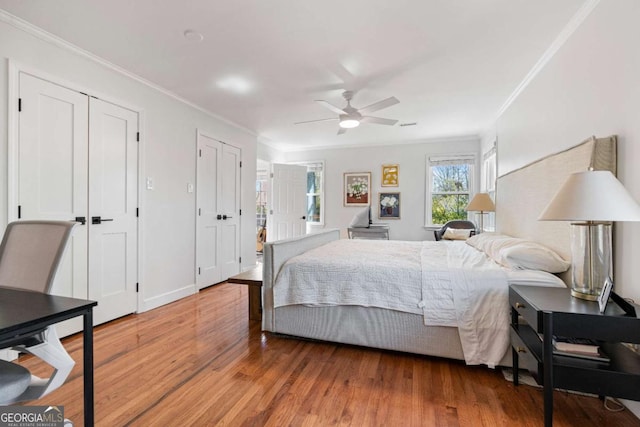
(539, 313)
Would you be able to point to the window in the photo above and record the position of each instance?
(261, 200)
(490, 173)
(450, 184)
(315, 192)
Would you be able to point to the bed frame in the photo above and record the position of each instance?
(394, 330)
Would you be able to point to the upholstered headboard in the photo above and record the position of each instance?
(521, 195)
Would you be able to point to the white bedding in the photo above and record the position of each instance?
(450, 284)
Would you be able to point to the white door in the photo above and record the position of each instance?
(208, 268)
(230, 197)
(218, 211)
(287, 215)
(52, 169)
(74, 163)
(113, 201)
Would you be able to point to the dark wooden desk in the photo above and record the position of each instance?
(253, 279)
(23, 312)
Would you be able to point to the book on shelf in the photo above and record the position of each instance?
(576, 345)
(579, 348)
(597, 357)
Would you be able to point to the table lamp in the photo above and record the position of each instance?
(591, 200)
(481, 202)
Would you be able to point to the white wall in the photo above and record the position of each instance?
(411, 159)
(590, 87)
(168, 212)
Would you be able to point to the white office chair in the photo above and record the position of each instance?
(30, 254)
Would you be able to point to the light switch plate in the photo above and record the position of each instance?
(189, 187)
(149, 183)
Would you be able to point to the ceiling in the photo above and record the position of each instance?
(261, 64)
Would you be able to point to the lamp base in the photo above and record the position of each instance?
(582, 295)
(591, 262)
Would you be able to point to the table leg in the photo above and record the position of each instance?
(514, 352)
(547, 367)
(255, 302)
(88, 368)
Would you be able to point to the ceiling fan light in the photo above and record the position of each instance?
(349, 123)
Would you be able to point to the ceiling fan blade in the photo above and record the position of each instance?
(341, 131)
(379, 120)
(379, 105)
(331, 107)
(318, 120)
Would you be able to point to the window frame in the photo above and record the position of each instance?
(470, 159)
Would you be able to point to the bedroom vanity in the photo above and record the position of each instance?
(538, 314)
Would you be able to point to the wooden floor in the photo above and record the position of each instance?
(200, 362)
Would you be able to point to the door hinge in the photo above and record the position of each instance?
(240, 163)
(137, 212)
(240, 260)
(138, 136)
(199, 153)
(19, 211)
(19, 104)
(199, 212)
(137, 287)
(271, 174)
(240, 212)
(198, 270)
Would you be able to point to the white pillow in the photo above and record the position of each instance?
(533, 256)
(456, 234)
(361, 219)
(518, 253)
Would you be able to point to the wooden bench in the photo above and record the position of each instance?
(253, 279)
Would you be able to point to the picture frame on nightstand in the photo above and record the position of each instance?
(603, 298)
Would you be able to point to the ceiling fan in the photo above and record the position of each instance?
(350, 117)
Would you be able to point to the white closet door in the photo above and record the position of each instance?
(113, 165)
(287, 216)
(230, 231)
(208, 268)
(52, 169)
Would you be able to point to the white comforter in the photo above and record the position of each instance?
(449, 283)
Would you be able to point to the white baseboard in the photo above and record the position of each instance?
(8, 355)
(169, 297)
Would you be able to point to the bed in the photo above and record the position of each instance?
(313, 285)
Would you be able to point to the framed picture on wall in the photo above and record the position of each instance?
(390, 175)
(389, 205)
(357, 187)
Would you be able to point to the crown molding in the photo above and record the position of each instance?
(555, 46)
(47, 37)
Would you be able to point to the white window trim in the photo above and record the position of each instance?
(429, 160)
(322, 205)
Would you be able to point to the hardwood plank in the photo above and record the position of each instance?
(200, 362)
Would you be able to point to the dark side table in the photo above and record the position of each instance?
(539, 313)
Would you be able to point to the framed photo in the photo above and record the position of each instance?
(357, 188)
(604, 294)
(390, 175)
(389, 205)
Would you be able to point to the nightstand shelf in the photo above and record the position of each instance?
(535, 310)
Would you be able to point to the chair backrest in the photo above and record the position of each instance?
(456, 223)
(30, 253)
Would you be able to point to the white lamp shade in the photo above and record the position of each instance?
(592, 196)
(481, 202)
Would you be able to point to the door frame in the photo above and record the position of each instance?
(14, 70)
(195, 204)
